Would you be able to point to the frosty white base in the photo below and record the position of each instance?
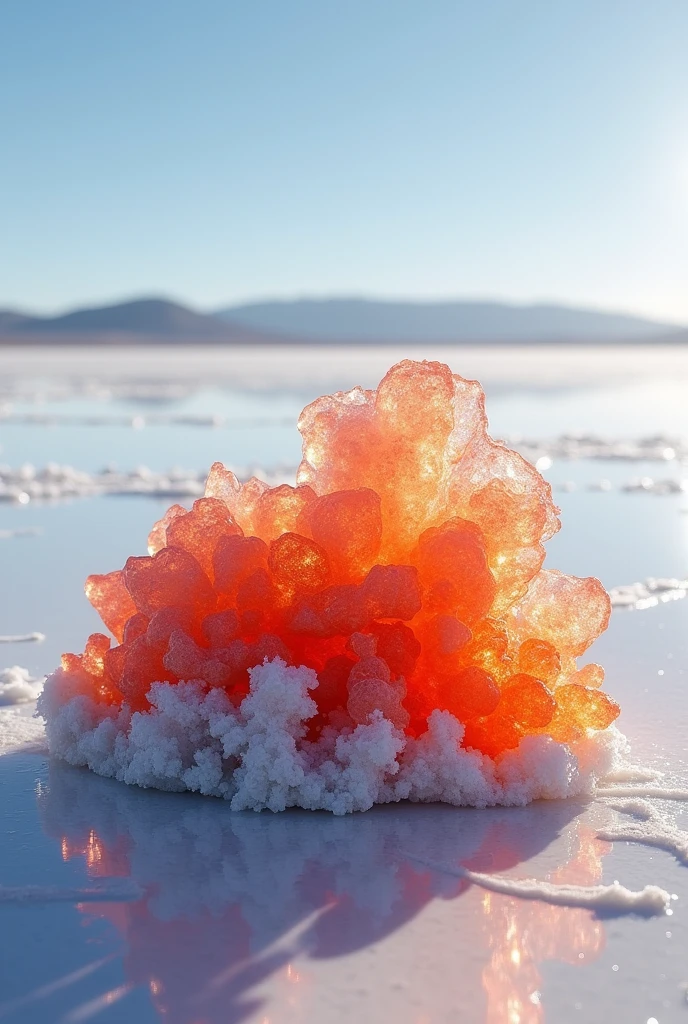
(256, 756)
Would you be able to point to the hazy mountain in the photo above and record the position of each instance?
(10, 321)
(373, 320)
(141, 316)
(327, 321)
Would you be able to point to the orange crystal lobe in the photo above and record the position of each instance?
(405, 568)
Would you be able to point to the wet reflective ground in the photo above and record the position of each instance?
(156, 907)
(306, 917)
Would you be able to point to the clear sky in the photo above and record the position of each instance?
(225, 150)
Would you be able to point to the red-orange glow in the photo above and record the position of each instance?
(177, 960)
(522, 935)
(101, 861)
(405, 568)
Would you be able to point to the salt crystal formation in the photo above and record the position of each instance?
(382, 630)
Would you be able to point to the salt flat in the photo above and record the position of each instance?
(302, 367)
(176, 909)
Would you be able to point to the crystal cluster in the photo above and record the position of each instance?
(404, 568)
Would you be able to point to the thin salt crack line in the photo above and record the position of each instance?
(23, 638)
(650, 829)
(113, 893)
(610, 900)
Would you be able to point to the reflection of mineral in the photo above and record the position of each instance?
(232, 899)
(521, 935)
(405, 569)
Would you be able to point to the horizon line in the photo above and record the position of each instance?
(297, 297)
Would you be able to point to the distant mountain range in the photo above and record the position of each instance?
(330, 321)
(373, 320)
(142, 320)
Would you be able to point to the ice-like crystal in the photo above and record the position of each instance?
(404, 569)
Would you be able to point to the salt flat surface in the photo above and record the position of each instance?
(141, 906)
(302, 367)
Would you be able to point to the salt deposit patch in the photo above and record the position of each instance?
(648, 593)
(18, 686)
(610, 900)
(644, 824)
(257, 756)
(19, 730)
(632, 773)
(138, 422)
(635, 485)
(53, 482)
(23, 638)
(658, 448)
(644, 791)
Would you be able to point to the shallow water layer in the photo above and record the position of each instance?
(301, 917)
(172, 908)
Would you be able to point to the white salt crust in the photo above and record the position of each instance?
(658, 792)
(23, 638)
(648, 594)
(257, 758)
(27, 484)
(20, 730)
(610, 900)
(18, 686)
(648, 827)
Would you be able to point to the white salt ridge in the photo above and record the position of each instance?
(610, 900)
(18, 686)
(58, 483)
(52, 389)
(590, 446)
(20, 730)
(137, 422)
(649, 485)
(656, 792)
(105, 891)
(632, 773)
(636, 485)
(257, 758)
(55, 483)
(649, 593)
(649, 828)
(23, 638)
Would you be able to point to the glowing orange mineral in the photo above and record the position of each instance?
(405, 568)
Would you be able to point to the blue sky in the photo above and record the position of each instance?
(224, 151)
